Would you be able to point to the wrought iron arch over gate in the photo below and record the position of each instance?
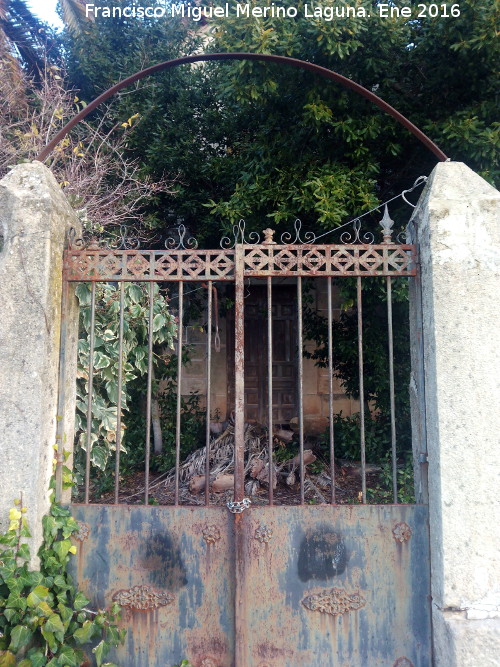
(256, 585)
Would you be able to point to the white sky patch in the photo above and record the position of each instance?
(46, 11)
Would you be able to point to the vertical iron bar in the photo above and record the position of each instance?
(361, 388)
(61, 396)
(90, 391)
(149, 391)
(179, 391)
(391, 391)
(239, 375)
(119, 398)
(209, 378)
(300, 387)
(330, 389)
(270, 383)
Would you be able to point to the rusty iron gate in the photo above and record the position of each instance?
(256, 585)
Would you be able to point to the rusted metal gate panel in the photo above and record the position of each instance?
(334, 586)
(172, 571)
(345, 586)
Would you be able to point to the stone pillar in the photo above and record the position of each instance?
(34, 220)
(456, 407)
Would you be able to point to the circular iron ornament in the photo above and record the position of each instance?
(263, 534)
(282, 60)
(402, 532)
(211, 534)
(403, 662)
(83, 531)
(208, 662)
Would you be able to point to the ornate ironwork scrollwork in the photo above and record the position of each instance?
(143, 598)
(181, 243)
(335, 601)
(121, 241)
(239, 237)
(309, 237)
(75, 242)
(356, 236)
(118, 241)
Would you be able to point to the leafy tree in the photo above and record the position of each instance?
(258, 141)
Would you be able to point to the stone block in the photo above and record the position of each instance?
(35, 218)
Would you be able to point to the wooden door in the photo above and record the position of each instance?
(284, 355)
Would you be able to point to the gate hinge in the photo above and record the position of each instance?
(238, 506)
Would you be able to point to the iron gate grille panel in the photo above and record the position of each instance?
(261, 260)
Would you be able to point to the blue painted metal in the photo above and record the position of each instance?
(307, 586)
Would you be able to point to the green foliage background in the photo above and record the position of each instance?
(270, 143)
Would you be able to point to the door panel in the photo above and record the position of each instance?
(334, 586)
(171, 569)
(284, 355)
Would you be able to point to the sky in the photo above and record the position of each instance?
(46, 10)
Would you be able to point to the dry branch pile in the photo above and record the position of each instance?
(257, 473)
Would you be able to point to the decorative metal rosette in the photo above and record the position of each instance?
(263, 534)
(402, 532)
(211, 534)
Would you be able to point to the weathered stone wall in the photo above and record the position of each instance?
(456, 398)
(34, 219)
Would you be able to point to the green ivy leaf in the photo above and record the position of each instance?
(10, 614)
(69, 657)
(23, 552)
(16, 601)
(37, 595)
(19, 637)
(60, 582)
(99, 456)
(100, 651)
(66, 614)
(80, 601)
(84, 634)
(37, 657)
(43, 609)
(55, 625)
(134, 292)
(50, 639)
(58, 510)
(7, 659)
(61, 548)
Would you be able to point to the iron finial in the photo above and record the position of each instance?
(268, 237)
(387, 223)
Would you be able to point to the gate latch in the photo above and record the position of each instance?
(238, 506)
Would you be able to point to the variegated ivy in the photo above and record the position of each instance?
(106, 357)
